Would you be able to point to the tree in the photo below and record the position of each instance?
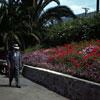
(10, 22)
(39, 17)
(13, 23)
(20, 19)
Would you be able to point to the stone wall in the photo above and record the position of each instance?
(66, 85)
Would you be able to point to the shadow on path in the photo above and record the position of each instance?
(6, 86)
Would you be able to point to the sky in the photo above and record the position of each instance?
(77, 6)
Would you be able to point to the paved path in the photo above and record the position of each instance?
(28, 91)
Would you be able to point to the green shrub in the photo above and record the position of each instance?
(30, 49)
(74, 30)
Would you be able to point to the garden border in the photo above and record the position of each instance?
(71, 87)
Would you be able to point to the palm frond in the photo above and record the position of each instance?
(1, 17)
(15, 37)
(5, 37)
(49, 1)
(42, 4)
(44, 19)
(3, 2)
(17, 1)
(62, 11)
(34, 4)
(10, 2)
(56, 13)
(36, 37)
(17, 8)
(5, 40)
(22, 40)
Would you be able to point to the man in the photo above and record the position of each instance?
(14, 64)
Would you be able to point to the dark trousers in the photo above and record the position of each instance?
(14, 73)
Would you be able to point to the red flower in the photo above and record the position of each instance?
(69, 59)
(86, 56)
(98, 54)
(51, 61)
(89, 62)
(87, 65)
(74, 61)
(94, 59)
(78, 64)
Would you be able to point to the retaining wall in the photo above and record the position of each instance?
(66, 85)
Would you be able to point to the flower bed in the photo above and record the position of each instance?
(78, 59)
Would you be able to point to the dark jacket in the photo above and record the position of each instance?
(14, 59)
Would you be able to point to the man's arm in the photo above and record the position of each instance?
(8, 61)
(20, 61)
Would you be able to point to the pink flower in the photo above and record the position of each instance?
(47, 50)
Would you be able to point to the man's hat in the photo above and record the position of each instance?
(15, 46)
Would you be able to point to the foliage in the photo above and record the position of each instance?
(10, 22)
(30, 49)
(39, 17)
(79, 29)
(21, 23)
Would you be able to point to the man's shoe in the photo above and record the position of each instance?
(18, 86)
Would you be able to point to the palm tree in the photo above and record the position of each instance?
(27, 3)
(9, 2)
(31, 3)
(10, 22)
(13, 23)
(29, 17)
(38, 16)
